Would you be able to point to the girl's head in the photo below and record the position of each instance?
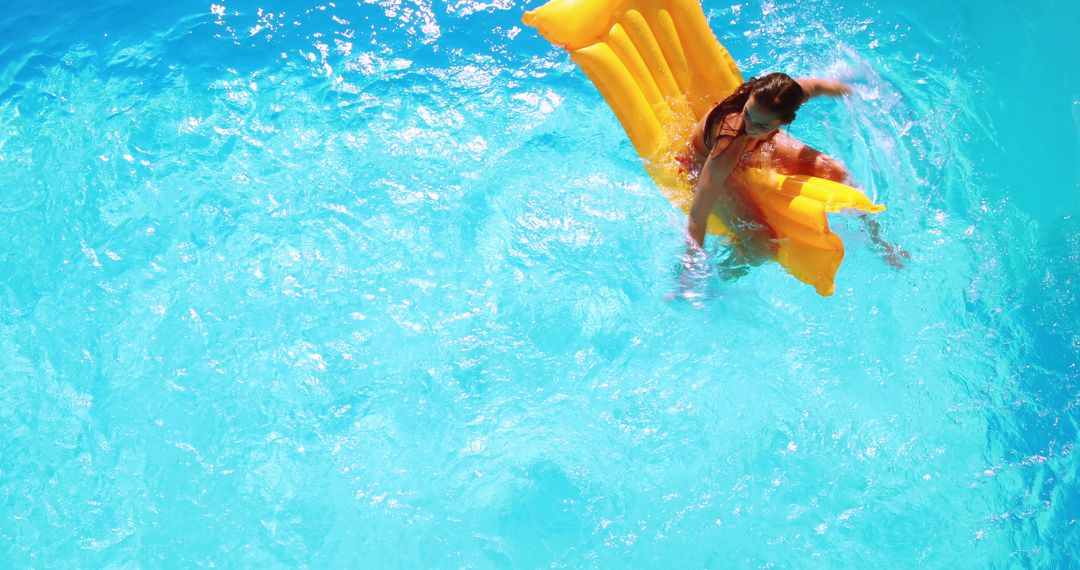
(766, 103)
(771, 102)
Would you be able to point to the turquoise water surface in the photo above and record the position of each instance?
(382, 285)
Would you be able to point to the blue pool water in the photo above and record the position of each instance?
(382, 284)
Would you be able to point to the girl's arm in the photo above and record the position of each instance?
(710, 184)
(714, 174)
(814, 87)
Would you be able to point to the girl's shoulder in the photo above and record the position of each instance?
(730, 125)
(721, 129)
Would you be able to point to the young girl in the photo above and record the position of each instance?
(742, 131)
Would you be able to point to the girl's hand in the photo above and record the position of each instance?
(895, 256)
(692, 273)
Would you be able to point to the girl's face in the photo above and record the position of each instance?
(760, 122)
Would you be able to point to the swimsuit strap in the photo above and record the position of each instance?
(723, 131)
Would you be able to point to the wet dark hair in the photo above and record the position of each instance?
(777, 92)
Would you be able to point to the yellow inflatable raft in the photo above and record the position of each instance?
(660, 68)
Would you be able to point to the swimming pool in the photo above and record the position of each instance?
(382, 284)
